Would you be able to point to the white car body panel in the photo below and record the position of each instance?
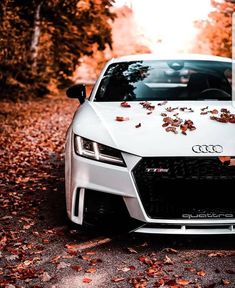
(152, 139)
(96, 121)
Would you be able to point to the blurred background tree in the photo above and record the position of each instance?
(216, 32)
(127, 40)
(41, 42)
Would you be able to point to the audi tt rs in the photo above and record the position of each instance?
(154, 146)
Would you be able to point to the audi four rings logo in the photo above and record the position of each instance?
(207, 149)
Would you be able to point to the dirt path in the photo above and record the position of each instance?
(39, 249)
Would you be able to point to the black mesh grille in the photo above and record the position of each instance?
(172, 186)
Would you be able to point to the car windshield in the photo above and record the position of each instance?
(166, 80)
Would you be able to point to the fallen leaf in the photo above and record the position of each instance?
(124, 269)
(12, 257)
(159, 283)
(225, 281)
(145, 260)
(77, 268)
(218, 254)
(167, 260)
(190, 269)
(45, 277)
(131, 250)
(182, 282)
(91, 270)
(201, 273)
(91, 253)
(95, 261)
(118, 279)
(170, 250)
(86, 280)
(86, 258)
(62, 265)
(55, 259)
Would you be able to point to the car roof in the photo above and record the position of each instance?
(146, 57)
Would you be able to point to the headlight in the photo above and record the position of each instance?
(89, 149)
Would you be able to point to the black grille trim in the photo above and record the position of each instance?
(164, 186)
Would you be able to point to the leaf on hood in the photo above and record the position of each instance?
(225, 116)
(147, 105)
(224, 110)
(125, 105)
(172, 129)
(204, 113)
(205, 108)
(186, 109)
(214, 111)
(138, 125)
(171, 109)
(121, 118)
(162, 103)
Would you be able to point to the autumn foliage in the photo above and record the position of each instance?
(42, 41)
(216, 31)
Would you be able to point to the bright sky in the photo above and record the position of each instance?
(168, 20)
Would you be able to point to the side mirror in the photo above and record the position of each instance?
(77, 91)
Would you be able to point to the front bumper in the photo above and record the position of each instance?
(86, 174)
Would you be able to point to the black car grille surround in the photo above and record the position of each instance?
(172, 187)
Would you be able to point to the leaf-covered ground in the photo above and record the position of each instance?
(39, 249)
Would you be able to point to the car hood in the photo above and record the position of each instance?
(97, 121)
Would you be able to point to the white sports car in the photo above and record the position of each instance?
(155, 144)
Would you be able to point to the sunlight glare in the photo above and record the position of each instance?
(168, 25)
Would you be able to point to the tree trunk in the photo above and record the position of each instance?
(36, 35)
